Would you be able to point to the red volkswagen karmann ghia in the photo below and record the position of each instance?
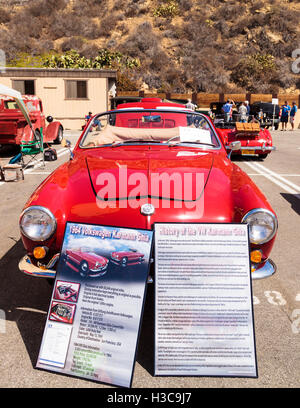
(86, 263)
(149, 162)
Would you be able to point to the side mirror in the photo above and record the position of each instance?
(49, 119)
(232, 147)
(235, 145)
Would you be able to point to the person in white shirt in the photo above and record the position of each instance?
(243, 112)
(190, 105)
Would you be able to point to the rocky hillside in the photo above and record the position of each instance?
(181, 45)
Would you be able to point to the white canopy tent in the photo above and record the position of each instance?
(9, 92)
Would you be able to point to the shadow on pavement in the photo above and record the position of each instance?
(9, 151)
(24, 300)
(240, 158)
(293, 200)
(145, 354)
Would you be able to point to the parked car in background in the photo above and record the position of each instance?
(256, 140)
(88, 264)
(125, 258)
(14, 128)
(150, 139)
(117, 100)
(266, 113)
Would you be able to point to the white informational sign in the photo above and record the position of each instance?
(94, 317)
(275, 101)
(55, 347)
(203, 301)
(189, 134)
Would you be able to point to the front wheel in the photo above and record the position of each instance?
(124, 262)
(59, 136)
(84, 269)
(263, 156)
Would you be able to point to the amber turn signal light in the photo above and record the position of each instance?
(39, 252)
(256, 256)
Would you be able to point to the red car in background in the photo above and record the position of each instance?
(14, 128)
(125, 258)
(88, 264)
(254, 140)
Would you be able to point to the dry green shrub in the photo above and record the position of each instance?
(167, 9)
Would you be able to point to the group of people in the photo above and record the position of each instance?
(243, 111)
(288, 115)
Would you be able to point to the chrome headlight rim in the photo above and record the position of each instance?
(45, 210)
(271, 214)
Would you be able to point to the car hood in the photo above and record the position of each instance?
(156, 174)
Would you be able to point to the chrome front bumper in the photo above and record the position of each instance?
(260, 148)
(25, 265)
(268, 269)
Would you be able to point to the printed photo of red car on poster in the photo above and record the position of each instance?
(67, 291)
(62, 312)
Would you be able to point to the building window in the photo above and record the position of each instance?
(24, 86)
(76, 89)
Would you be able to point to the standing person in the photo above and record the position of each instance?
(285, 110)
(227, 109)
(293, 114)
(248, 109)
(190, 105)
(243, 112)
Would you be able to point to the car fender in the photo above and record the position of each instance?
(51, 131)
(25, 133)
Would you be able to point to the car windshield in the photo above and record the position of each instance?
(12, 105)
(140, 126)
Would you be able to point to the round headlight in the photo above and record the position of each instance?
(37, 223)
(262, 225)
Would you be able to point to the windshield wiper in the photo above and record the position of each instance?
(116, 144)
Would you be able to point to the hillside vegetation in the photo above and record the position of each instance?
(168, 45)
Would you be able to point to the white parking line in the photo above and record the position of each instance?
(277, 179)
(286, 175)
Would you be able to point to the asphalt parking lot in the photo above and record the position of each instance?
(24, 301)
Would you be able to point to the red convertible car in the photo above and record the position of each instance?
(149, 162)
(86, 263)
(254, 140)
(14, 128)
(125, 258)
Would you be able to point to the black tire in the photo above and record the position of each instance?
(84, 269)
(124, 262)
(263, 156)
(60, 135)
(37, 135)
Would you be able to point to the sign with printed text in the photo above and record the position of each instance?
(95, 312)
(203, 301)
